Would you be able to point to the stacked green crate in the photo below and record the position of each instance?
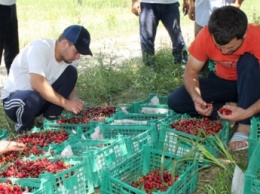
(252, 174)
(211, 65)
(70, 180)
(120, 178)
(3, 134)
(140, 134)
(154, 105)
(136, 118)
(253, 135)
(149, 99)
(70, 127)
(101, 154)
(137, 107)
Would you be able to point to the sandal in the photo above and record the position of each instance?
(238, 137)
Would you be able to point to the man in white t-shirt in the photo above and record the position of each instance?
(200, 10)
(42, 78)
(9, 39)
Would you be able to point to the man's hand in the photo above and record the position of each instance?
(136, 9)
(191, 11)
(237, 114)
(202, 107)
(74, 105)
(7, 146)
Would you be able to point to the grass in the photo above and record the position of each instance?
(105, 79)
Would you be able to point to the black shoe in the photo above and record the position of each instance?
(180, 57)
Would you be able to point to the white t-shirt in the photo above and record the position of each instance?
(159, 1)
(38, 57)
(204, 8)
(7, 2)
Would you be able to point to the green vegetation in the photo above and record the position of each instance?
(105, 80)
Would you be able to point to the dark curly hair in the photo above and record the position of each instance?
(227, 23)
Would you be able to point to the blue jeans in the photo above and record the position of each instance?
(24, 105)
(151, 14)
(245, 91)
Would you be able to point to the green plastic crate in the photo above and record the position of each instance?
(177, 142)
(141, 134)
(137, 107)
(80, 146)
(99, 154)
(85, 127)
(162, 99)
(252, 174)
(120, 115)
(3, 134)
(105, 157)
(37, 186)
(211, 65)
(119, 179)
(55, 147)
(71, 180)
(253, 135)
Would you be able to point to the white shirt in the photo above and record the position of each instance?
(204, 8)
(7, 2)
(38, 57)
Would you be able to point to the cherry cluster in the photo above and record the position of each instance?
(225, 111)
(33, 142)
(92, 113)
(193, 126)
(8, 188)
(44, 138)
(99, 111)
(32, 169)
(155, 181)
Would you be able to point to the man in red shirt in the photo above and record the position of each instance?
(235, 47)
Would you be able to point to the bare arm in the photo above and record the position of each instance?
(191, 83)
(40, 85)
(239, 114)
(185, 6)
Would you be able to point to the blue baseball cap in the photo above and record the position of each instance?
(80, 37)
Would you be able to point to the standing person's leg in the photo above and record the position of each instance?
(248, 93)
(22, 107)
(148, 22)
(11, 48)
(5, 12)
(213, 90)
(170, 16)
(63, 86)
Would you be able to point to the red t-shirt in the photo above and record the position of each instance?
(203, 48)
